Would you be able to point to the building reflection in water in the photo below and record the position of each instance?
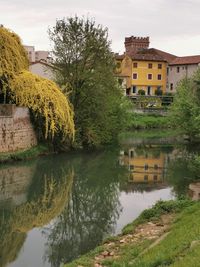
(146, 164)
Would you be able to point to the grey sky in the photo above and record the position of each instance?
(173, 25)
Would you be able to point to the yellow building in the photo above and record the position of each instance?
(149, 75)
(144, 167)
(144, 69)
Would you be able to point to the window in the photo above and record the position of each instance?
(148, 90)
(150, 65)
(132, 154)
(146, 166)
(128, 91)
(159, 66)
(177, 69)
(159, 77)
(134, 76)
(171, 86)
(134, 89)
(155, 177)
(131, 167)
(145, 177)
(149, 76)
(135, 65)
(155, 166)
(167, 71)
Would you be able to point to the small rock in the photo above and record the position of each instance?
(194, 243)
(111, 244)
(150, 223)
(105, 253)
(122, 241)
(152, 237)
(112, 253)
(160, 224)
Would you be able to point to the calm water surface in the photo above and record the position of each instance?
(55, 208)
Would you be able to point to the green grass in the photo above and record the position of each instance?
(24, 154)
(158, 258)
(175, 250)
(160, 208)
(149, 133)
(139, 121)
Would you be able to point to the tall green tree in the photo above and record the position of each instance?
(185, 111)
(84, 69)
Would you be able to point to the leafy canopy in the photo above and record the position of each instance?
(84, 68)
(46, 101)
(185, 111)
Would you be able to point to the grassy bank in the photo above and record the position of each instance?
(145, 121)
(166, 235)
(150, 134)
(24, 154)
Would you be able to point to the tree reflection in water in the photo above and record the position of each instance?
(47, 196)
(93, 208)
(183, 169)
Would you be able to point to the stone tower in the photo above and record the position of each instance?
(133, 44)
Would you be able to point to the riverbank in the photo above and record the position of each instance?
(166, 235)
(24, 154)
(151, 121)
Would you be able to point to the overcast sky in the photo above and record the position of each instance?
(172, 25)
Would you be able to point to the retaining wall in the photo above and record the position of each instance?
(16, 130)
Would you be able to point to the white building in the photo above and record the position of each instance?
(42, 69)
(40, 62)
(179, 68)
(35, 56)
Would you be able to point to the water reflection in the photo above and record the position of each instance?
(183, 171)
(73, 201)
(147, 165)
(28, 203)
(93, 208)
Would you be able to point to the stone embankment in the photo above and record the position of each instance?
(16, 130)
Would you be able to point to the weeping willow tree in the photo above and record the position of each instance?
(13, 58)
(52, 112)
(47, 102)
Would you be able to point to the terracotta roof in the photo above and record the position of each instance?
(121, 75)
(42, 62)
(148, 55)
(119, 57)
(167, 56)
(189, 60)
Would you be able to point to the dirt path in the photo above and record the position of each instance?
(151, 231)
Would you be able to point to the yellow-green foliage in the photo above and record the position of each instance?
(13, 56)
(42, 96)
(39, 213)
(45, 99)
(32, 214)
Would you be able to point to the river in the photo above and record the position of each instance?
(55, 208)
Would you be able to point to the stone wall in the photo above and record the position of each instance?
(16, 130)
(14, 184)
